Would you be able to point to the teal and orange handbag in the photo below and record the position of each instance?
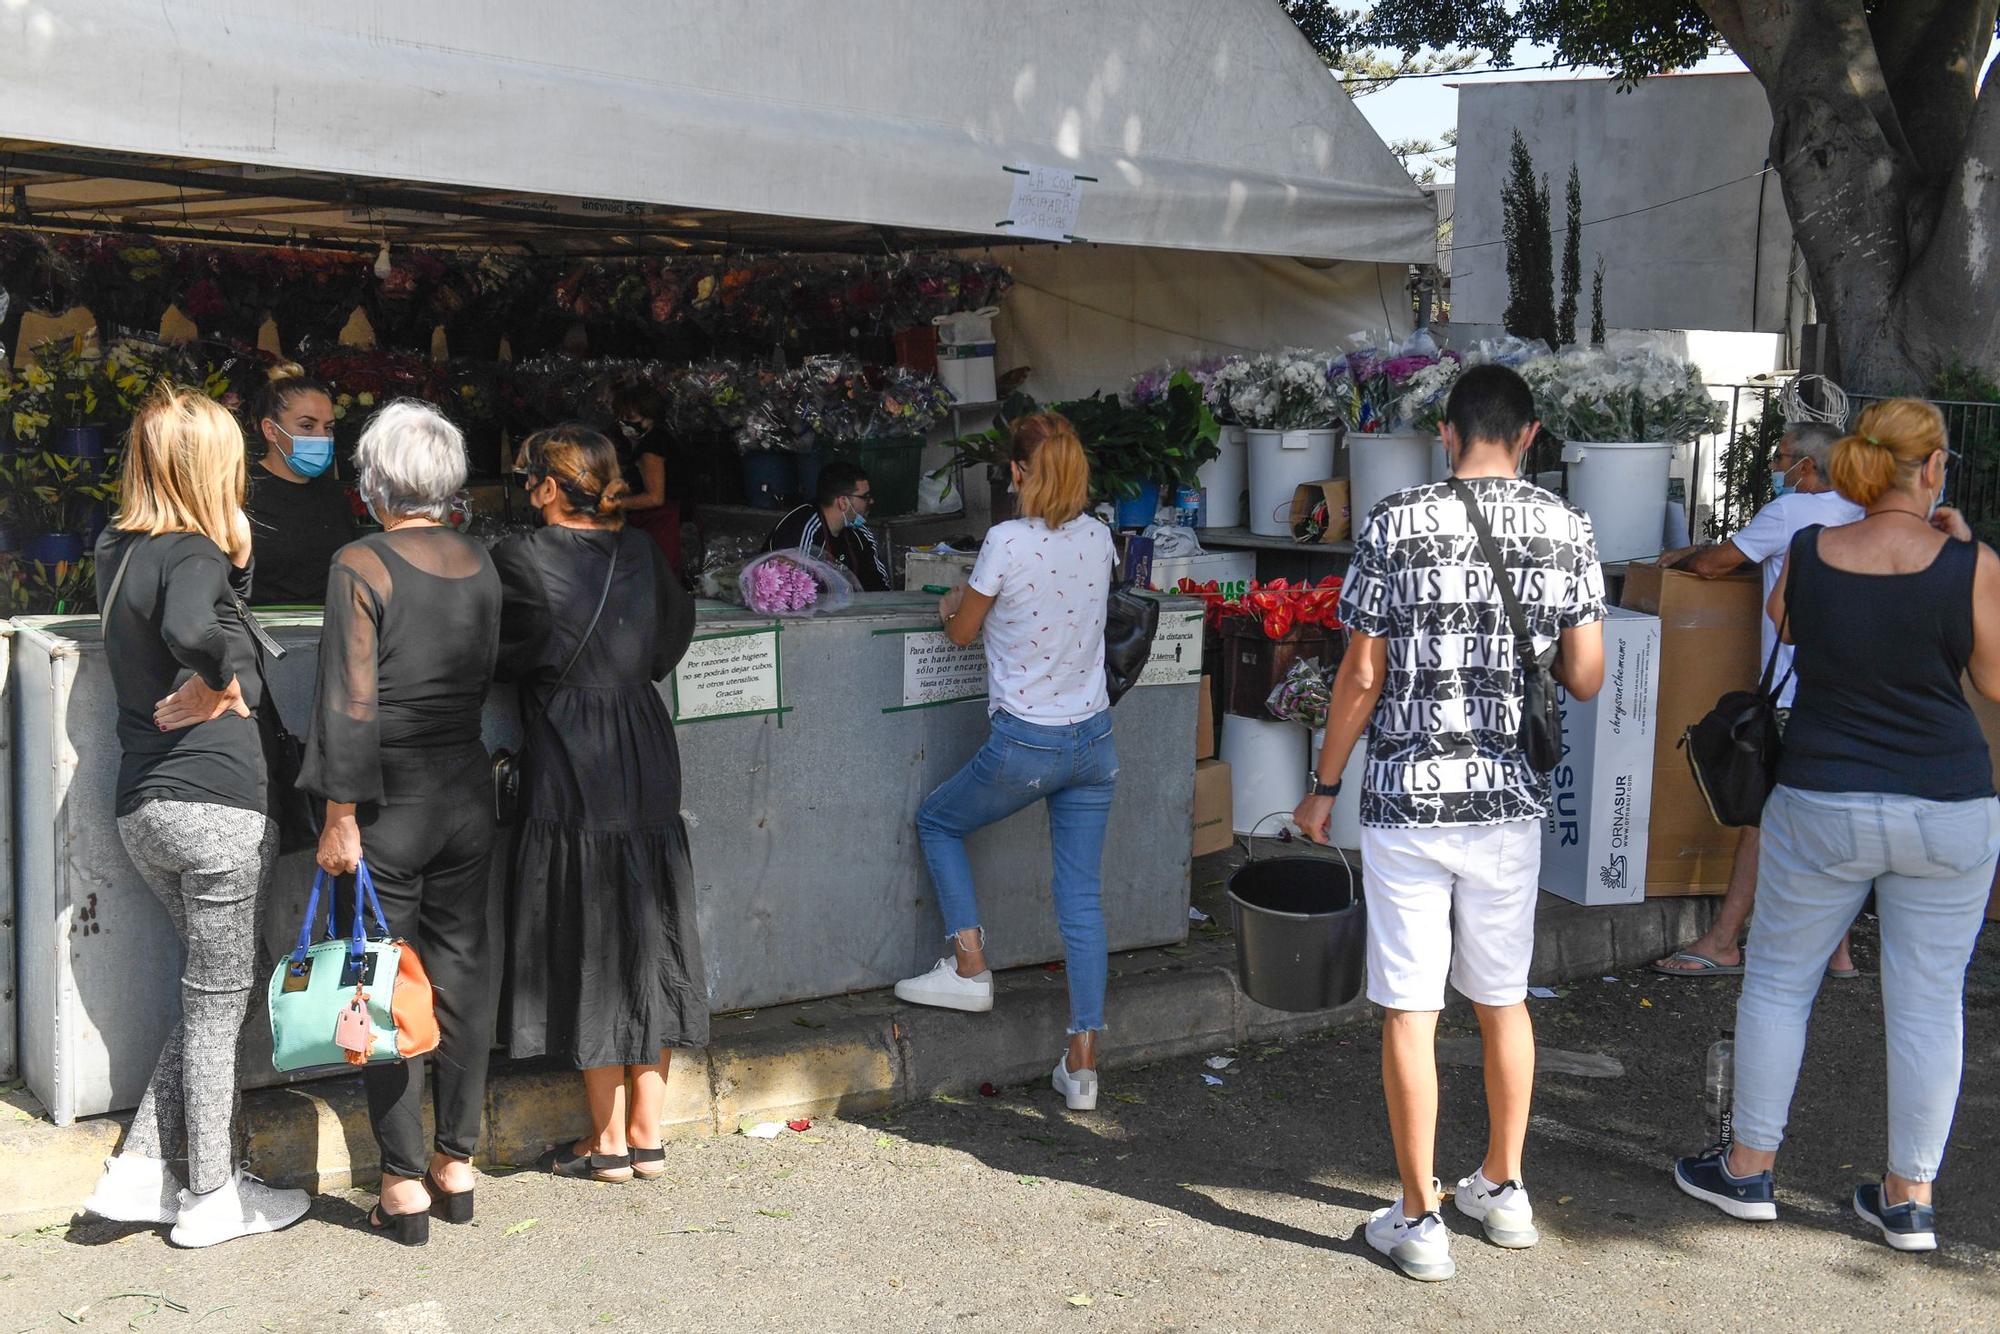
(358, 1001)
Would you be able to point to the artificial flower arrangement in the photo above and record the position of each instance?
(1284, 391)
(1278, 607)
(835, 400)
(1595, 395)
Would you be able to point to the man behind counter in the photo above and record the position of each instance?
(298, 516)
(833, 528)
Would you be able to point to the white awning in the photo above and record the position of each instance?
(1209, 125)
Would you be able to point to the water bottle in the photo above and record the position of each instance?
(1719, 1084)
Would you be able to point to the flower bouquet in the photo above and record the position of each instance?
(1426, 393)
(785, 583)
(1284, 391)
(1218, 380)
(1303, 697)
(910, 403)
(1278, 607)
(1593, 395)
(1371, 383)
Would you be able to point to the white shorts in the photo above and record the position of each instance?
(1469, 886)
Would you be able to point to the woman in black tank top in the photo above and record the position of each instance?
(1886, 783)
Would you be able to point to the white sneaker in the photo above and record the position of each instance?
(1503, 1210)
(243, 1207)
(1420, 1247)
(136, 1190)
(1079, 1089)
(943, 987)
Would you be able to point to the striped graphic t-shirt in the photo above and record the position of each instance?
(1443, 747)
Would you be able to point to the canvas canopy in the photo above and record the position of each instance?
(610, 125)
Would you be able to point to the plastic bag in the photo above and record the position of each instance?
(1303, 697)
(937, 494)
(1173, 541)
(789, 583)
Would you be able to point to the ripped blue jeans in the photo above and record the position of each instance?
(1075, 770)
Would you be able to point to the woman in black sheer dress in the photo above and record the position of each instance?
(406, 653)
(604, 959)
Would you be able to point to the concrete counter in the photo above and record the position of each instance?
(806, 747)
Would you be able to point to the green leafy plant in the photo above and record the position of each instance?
(49, 493)
(67, 587)
(1746, 470)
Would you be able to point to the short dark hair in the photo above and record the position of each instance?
(1489, 405)
(639, 399)
(837, 479)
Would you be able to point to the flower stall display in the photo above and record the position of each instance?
(1386, 451)
(1288, 408)
(1225, 479)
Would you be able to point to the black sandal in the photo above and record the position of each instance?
(586, 1166)
(453, 1206)
(406, 1229)
(649, 1164)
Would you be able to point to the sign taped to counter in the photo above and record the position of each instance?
(1176, 658)
(731, 674)
(937, 671)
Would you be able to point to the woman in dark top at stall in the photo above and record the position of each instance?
(1884, 782)
(298, 511)
(604, 961)
(191, 804)
(412, 624)
(642, 461)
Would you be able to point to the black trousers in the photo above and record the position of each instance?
(429, 863)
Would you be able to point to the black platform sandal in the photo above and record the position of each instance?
(649, 1164)
(405, 1229)
(586, 1166)
(452, 1206)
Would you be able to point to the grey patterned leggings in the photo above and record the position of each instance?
(208, 864)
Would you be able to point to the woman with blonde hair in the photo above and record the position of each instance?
(604, 955)
(1038, 592)
(172, 570)
(1886, 781)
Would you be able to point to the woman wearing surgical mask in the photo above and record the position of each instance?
(298, 512)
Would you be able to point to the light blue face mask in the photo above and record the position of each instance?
(311, 455)
(1782, 484)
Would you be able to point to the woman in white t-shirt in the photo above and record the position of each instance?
(1038, 592)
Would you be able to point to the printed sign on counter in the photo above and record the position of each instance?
(937, 671)
(1176, 658)
(729, 675)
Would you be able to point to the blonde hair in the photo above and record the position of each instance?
(184, 470)
(584, 466)
(1890, 442)
(1055, 473)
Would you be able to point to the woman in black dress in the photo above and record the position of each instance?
(405, 657)
(604, 959)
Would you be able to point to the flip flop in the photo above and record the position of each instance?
(1705, 966)
(1843, 974)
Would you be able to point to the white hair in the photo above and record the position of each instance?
(410, 462)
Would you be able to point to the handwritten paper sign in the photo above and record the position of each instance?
(1045, 202)
(731, 675)
(1176, 656)
(937, 671)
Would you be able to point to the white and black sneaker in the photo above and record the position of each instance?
(1420, 1247)
(945, 988)
(1908, 1226)
(1503, 1210)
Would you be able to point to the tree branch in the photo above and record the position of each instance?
(1930, 52)
(1951, 302)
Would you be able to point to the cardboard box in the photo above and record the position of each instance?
(1204, 722)
(1709, 646)
(1334, 491)
(1231, 570)
(1214, 816)
(1594, 840)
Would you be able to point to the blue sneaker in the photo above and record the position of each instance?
(1908, 1226)
(1706, 1177)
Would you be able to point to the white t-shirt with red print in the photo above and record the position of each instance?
(1045, 632)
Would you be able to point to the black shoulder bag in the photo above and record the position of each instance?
(1541, 716)
(1734, 748)
(507, 763)
(1130, 621)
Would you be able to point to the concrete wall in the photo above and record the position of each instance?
(1694, 264)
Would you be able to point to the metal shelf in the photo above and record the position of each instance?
(1243, 539)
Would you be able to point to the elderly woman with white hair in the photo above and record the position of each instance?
(411, 631)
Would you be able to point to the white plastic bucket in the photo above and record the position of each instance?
(1279, 462)
(1267, 769)
(1223, 479)
(1622, 486)
(1381, 465)
(1345, 830)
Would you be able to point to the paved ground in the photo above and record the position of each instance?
(1177, 1206)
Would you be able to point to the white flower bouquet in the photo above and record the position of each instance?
(1284, 391)
(1593, 395)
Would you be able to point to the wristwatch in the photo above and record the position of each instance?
(1325, 789)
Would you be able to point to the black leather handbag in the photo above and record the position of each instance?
(1734, 748)
(1130, 621)
(507, 763)
(1541, 733)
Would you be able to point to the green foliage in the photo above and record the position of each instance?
(1524, 201)
(1572, 270)
(1632, 38)
(43, 493)
(1597, 305)
(1746, 470)
(65, 588)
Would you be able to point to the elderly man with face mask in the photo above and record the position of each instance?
(1805, 496)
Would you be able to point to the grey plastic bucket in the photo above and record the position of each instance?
(1301, 928)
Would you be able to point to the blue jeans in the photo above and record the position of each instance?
(1931, 864)
(1075, 770)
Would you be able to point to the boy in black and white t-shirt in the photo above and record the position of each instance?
(1451, 809)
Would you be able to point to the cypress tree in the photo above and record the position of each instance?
(1572, 274)
(1597, 304)
(1524, 202)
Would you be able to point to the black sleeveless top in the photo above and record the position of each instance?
(1880, 705)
